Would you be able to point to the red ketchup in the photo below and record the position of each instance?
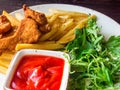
(38, 72)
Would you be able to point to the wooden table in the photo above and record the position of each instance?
(110, 8)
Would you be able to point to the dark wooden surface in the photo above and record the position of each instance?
(110, 8)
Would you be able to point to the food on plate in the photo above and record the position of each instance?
(46, 46)
(5, 60)
(27, 30)
(69, 36)
(25, 33)
(77, 15)
(95, 62)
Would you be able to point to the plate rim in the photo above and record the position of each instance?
(59, 4)
(109, 26)
(78, 6)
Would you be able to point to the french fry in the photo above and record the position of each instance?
(7, 56)
(70, 35)
(4, 63)
(62, 29)
(5, 60)
(63, 12)
(52, 19)
(47, 42)
(51, 33)
(12, 19)
(50, 46)
(3, 70)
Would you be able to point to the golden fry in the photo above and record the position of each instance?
(49, 34)
(46, 42)
(52, 19)
(7, 56)
(4, 63)
(62, 30)
(49, 46)
(3, 70)
(70, 35)
(12, 19)
(71, 13)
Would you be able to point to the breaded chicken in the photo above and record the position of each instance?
(27, 32)
(30, 32)
(39, 17)
(5, 24)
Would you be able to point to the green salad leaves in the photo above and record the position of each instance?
(95, 63)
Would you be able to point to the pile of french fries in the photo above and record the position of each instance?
(63, 25)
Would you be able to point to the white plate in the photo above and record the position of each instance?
(109, 26)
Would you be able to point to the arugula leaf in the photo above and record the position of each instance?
(95, 63)
(113, 45)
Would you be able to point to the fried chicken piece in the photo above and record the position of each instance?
(5, 24)
(30, 32)
(39, 17)
(27, 32)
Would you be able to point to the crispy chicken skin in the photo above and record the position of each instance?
(5, 24)
(39, 17)
(25, 33)
(30, 32)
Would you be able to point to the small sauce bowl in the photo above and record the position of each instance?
(30, 67)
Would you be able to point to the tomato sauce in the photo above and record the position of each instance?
(38, 72)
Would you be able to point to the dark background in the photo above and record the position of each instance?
(110, 8)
